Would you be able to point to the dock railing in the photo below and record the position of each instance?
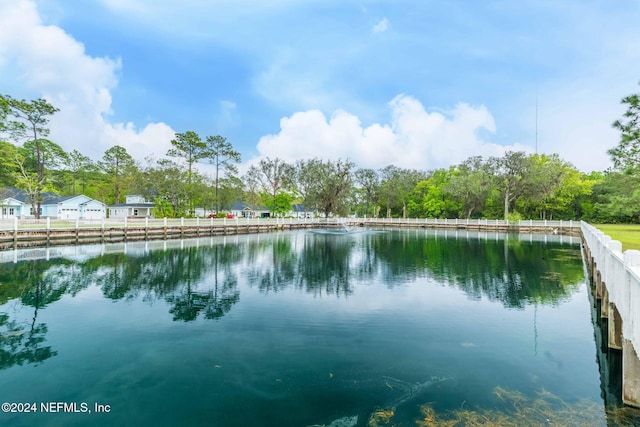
(30, 224)
(616, 279)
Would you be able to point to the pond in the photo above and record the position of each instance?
(301, 328)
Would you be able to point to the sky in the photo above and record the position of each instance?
(419, 84)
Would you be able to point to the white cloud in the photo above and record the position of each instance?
(53, 65)
(414, 138)
(381, 26)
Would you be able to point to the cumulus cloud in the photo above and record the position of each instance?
(381, 26)
(414, 138)
(52, 64)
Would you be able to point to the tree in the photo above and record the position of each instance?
(470, 184)
(118, 165)
(30, 121)
(327, 184)
(397, 186)
(78, 164)
(627, 154)
(512, 171)
(428, 197)
(165, 182)
(8, 167)
(369, 182)
(223, 158)
(190, 147)
(274, 176)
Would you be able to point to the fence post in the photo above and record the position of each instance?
(165, 228)
(48, 229)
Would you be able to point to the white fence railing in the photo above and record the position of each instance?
(61, 224)
(621, 273)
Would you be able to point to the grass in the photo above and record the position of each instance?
(628, 234)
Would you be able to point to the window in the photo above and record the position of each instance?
(135, 212)
(11, 211)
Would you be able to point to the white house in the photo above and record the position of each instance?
(74, 207)
(134, 206)
(299, 211)
(247, 210)
(12, 208)
(18, 204)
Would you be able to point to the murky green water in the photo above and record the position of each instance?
(296, 329)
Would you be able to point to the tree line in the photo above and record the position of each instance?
(513, 186)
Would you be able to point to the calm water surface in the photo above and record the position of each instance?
(297, 329)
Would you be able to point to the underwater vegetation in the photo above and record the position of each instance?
(516, 409)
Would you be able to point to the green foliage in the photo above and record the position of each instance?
(8, 166)
(429, 200)
(325, 186)
(627, 154)
(28, 122)
(224, 159)
(282, 203)
(396, 188)
(268, 178)
(119, 168)
(470, 184)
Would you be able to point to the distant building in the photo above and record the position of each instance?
(135, 206)
(299, 211)
(247, 210)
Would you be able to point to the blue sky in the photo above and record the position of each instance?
(420, 84)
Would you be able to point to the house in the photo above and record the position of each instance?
(51, 205)
(299, 211)
(74, 207)
(247, 210)
(202, 212)
(135, 206)
(13, 208)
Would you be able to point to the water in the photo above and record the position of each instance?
(297, 329)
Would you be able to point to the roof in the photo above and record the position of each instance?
(133, 205)
(48, 198)
(240, 206)
(23, 196)
(10, 201)
(297, 207)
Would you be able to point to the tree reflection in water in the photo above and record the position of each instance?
(201, 280)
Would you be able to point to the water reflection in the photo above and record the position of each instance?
(200, 275)
(24, 341)
(363, 327)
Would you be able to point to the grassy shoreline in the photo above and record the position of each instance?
(628, 234)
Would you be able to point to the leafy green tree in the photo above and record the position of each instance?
(512, 173)
(118, 166)
(165, 183)
(327, 185)
(8, 166)
(397, 186)
(616, 198)
(30, 119)
(627, 154)
(273, 176)
(428, 198)
(224, 159)
(470, 185)
(368, 181)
